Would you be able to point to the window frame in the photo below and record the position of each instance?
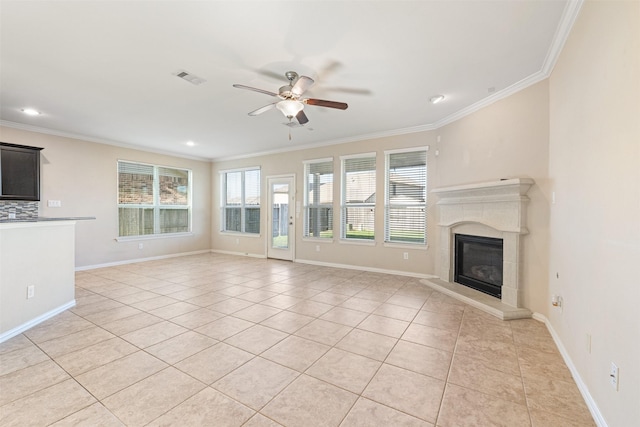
(243, 201)
(157, 206)
(309, 205)
(344, 205)
(387, 197)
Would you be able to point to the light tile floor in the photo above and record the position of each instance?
(218, 340)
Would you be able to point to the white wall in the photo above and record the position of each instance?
(594, 170)
(39, 255)
(83, 176)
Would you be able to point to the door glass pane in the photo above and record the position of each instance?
(280, 216)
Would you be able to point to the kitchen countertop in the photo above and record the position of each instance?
(46, 219)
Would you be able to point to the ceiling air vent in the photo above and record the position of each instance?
(191, 78)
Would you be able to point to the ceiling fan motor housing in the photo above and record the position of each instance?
(291, 76)
(285, 92)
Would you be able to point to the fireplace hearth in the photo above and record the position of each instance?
(478, 263)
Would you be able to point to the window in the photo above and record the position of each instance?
(358, 196)
(406, 196)
(318, 198)
(153, 199)
(240, 204)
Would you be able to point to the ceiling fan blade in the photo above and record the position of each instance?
(262, 109)
(323, 103)
(302, 84)
(270, 74)
(351, 90)
(301, 117)
(331, 67)
(255, 89)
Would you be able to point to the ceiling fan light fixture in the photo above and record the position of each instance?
(436, 99)
(289, 107)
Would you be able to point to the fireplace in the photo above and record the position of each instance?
(488, 210)
(478, 263)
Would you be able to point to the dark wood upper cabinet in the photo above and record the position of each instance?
(19, 172)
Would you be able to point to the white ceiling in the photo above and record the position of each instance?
(104, 70)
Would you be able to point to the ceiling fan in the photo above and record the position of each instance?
(290, 102)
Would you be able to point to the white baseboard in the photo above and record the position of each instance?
(588, 399)
(131, 261)
(363, 268)
(216, 251)
(33, 322)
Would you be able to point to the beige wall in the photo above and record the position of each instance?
(507, 139)
(83, 175)
(374, 257)
(595, 222)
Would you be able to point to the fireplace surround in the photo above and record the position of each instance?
(495, 209)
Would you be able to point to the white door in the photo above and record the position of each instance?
(281, 217)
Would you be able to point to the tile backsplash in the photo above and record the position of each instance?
(22, 209)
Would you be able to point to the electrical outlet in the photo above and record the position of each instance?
(405, 255)
(31, 291)
(317, 248)
(54, 203)
(12, 215)
(614, 376)
(140, 245)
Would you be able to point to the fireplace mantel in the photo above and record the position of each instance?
(490, 209)
(497, 204)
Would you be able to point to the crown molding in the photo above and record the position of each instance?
(569, 16)
(358, 138)
(54, 132)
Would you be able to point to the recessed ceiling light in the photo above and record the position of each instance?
(437, 98)
(31, 111)
(190, 144)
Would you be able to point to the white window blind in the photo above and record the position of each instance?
(318, 175)
(406, 197)
(153, 199)
(358, 197)
(252, 201)
(240, 204)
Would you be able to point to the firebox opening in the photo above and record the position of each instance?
(478, 263)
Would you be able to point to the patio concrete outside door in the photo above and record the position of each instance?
(281, 217)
